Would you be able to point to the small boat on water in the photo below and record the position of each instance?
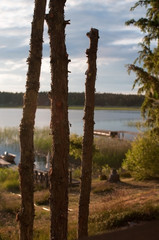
(8, 157)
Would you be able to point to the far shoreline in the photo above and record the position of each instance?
(82, 108)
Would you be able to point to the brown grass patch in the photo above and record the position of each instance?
(110, 205)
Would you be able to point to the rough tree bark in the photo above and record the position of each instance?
(26, 166)
(59, 120)
(88, 135)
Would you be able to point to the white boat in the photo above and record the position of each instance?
(8, 157)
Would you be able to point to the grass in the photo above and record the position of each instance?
(111, 206)
(9, 180)
(9, 135)
(42, 140)
(106, 108)
(112, 151)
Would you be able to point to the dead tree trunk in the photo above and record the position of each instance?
(59, 120)
(88, 135)
(26, 166)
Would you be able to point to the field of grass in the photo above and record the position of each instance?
(111, 206)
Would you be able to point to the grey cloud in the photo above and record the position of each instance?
(108, 16)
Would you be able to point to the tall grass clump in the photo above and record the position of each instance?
(137, 124)
(42, 140)
(9, 135)
(111, 152)
(9, 180)
(119, 216)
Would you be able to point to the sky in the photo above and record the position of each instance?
(118, 44)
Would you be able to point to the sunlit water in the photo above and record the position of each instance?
(114, 120)
(104, 119)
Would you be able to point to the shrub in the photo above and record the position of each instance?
(9, 180)
(142, 160)
(77, 173)
(11, 185)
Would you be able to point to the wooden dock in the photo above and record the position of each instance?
(42, 177)
(4, 163)
(114, 134)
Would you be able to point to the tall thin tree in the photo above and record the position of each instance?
(88, 135)
(59, 120)
(26, 166)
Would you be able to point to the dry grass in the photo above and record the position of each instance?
(111, 205)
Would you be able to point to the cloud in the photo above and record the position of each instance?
(117, 43)
(128, 41)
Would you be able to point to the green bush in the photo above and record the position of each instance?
(142, 160)
(11, 185)
(9, 180)
(76, 173)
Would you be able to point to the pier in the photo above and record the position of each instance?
(42, 177)
(114, 134)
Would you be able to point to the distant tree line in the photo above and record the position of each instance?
(9, 99)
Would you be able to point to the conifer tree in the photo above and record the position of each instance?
(146, 66)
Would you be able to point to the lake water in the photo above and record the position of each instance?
(104, 120)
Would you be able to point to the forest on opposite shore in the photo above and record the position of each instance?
(10, 99)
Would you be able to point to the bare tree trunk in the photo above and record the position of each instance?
(88, 136)
(59, 120)
(26, 166)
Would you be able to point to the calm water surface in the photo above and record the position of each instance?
(104, 119)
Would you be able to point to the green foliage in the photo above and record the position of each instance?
(142, 160)
(11, 186)
(9, 99)
(9, 180)
(106, 152)
(148, 61)
(77, 173)
(111, 152)
(41, 234)
(75, 146)
(9, 135)
(137, 124)
(42, 140)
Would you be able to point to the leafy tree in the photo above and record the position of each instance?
(147, 68)
(75, 146)
(142, 160)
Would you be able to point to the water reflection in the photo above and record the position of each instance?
(114, 120)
